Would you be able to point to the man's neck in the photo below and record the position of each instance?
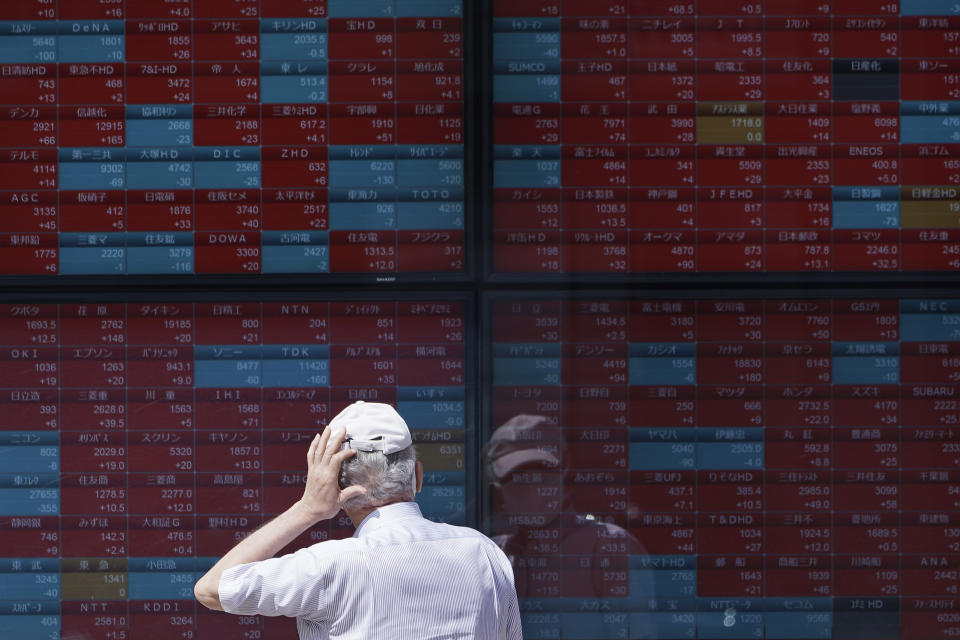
(357, 515)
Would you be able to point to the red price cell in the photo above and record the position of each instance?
(160, 409)
(154, 622)
(607, 455)
(793, 37)
(881, 578)
(514, 401)
(341, 397)
(877, 122)
(867, 250)
(860, 320)
(729, 80)
(422, 322)
(806, 497)
(362, 124)
(526, 8)
(295, 9)
(798, 122)
(235, 451)
(531, 251)
(744, 492)
(29, 126)
(928, 38)
(801, 406)
(227, 8)
(526, 209)
(865, 491)
(233, 124)
(434, 123)
(294, 124)
(240, 408)
(742, 38)
(665, 81)
(594, 80)
(661, 39)
(227, 252)
(430, 365)
(798, 250)
(362, 364)
(362, 39)
(663, 165)
(353, 81)
(30, 84)
(662, 406)
(294, 167)
(865, 37)
(280, 447)
(363, 322)
(281, 490)
(439, 80)
(159, 40)
(29, 10)
(933, 533)
(364, 251)
(797, 207)
(283, 408)
(810, 576)
(164, 493)
(741, 576)
(736, 363)
(104, 535)
(304, 323)
(236, 82)
(160, 210)
(792, 364)
(594, 39)
(39, 537)
(526, 123)
(432, 39)
(662, 321)
(161, 82)
(160, 324)
(163, 535)
(31, 211)
(730, 405)
(94, 493)
(664, 491)
(286, 209)
(667, 533)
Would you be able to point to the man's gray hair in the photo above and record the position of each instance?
(387, 478)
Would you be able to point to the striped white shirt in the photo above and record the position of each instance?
(399, 576)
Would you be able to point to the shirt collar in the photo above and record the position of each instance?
(387, 514)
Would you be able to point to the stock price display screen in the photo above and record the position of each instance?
(726, 136)
(231, 136)
(728, 468)
(139, 441)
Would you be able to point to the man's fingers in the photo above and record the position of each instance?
(351, 492)
(312, 451)
(322, 445)
(338, 458)
(332, 445)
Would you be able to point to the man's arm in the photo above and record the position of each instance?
(321, 501)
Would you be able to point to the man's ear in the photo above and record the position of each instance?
(419, 473)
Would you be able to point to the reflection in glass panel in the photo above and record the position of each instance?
(727, 468)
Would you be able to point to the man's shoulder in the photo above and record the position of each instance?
(424, 530)
(341, 550)
(458, 531)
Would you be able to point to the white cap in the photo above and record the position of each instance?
(523, 440)
(372, 426)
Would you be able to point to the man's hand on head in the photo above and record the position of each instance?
(322, 497)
